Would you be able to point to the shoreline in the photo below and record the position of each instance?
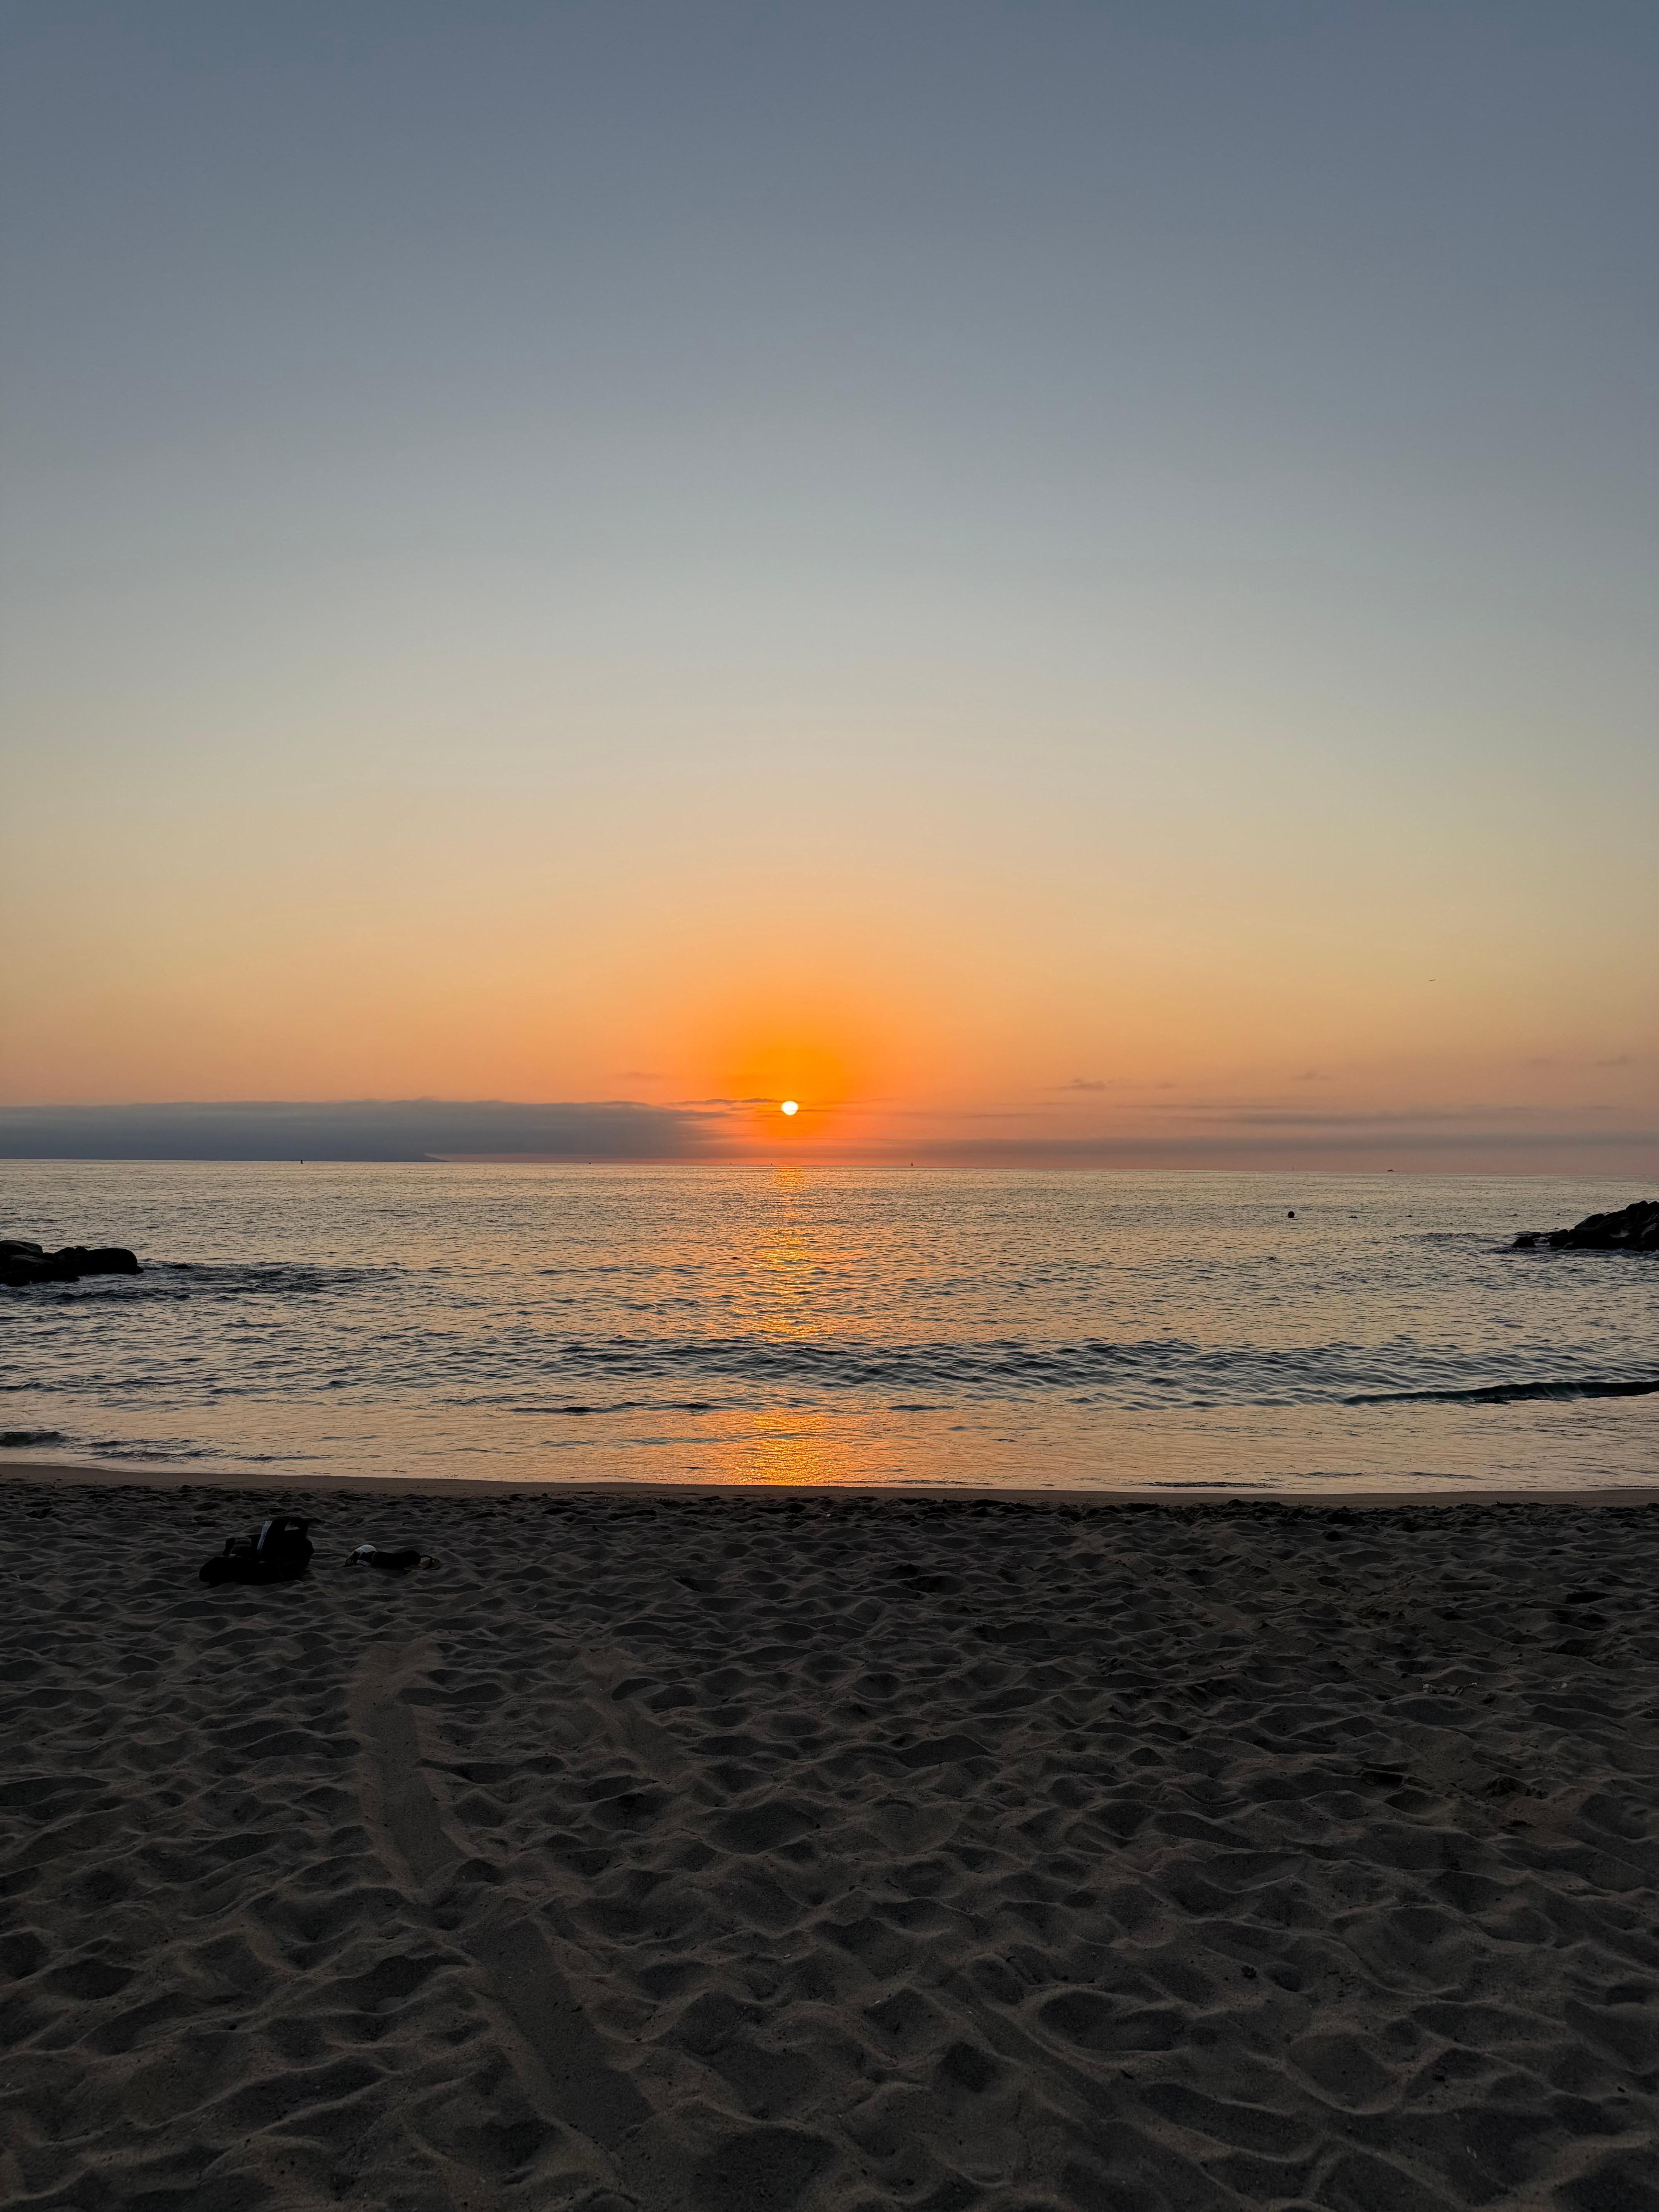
(91, 1475)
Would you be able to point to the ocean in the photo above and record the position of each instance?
(787, 1324)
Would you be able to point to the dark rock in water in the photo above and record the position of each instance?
(22, 1263)
(1632, 1229)
(98, 1259)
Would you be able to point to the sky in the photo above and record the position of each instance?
(1062, 584)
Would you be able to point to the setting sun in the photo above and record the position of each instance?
(790, 1106)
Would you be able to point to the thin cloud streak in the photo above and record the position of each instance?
(1217, 1148)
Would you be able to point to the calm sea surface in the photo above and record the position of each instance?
(829, 1325)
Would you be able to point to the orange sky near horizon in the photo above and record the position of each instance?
(997, 1016)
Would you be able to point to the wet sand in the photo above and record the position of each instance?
(744, 1852)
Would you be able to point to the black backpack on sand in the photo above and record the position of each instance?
(279, 1554)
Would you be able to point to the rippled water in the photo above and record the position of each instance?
(831, 1325)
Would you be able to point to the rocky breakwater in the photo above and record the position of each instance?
(1632, 1229)
(22, 1263)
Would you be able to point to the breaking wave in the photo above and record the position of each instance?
(1509, 1393)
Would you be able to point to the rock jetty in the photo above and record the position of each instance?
(22, 1263)
(1632, 1229)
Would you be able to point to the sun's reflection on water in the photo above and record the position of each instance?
(787, 1447)
(788, 1261)
(791, 1283)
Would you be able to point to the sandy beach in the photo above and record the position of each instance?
(741, 1854)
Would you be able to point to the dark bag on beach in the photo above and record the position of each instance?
(280, 1551)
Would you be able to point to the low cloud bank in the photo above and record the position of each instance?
(359, 1129)
(1218, 1134)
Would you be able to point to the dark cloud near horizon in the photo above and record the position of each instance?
(357, 1129)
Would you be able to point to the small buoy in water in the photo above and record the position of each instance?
(1291, 1215)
